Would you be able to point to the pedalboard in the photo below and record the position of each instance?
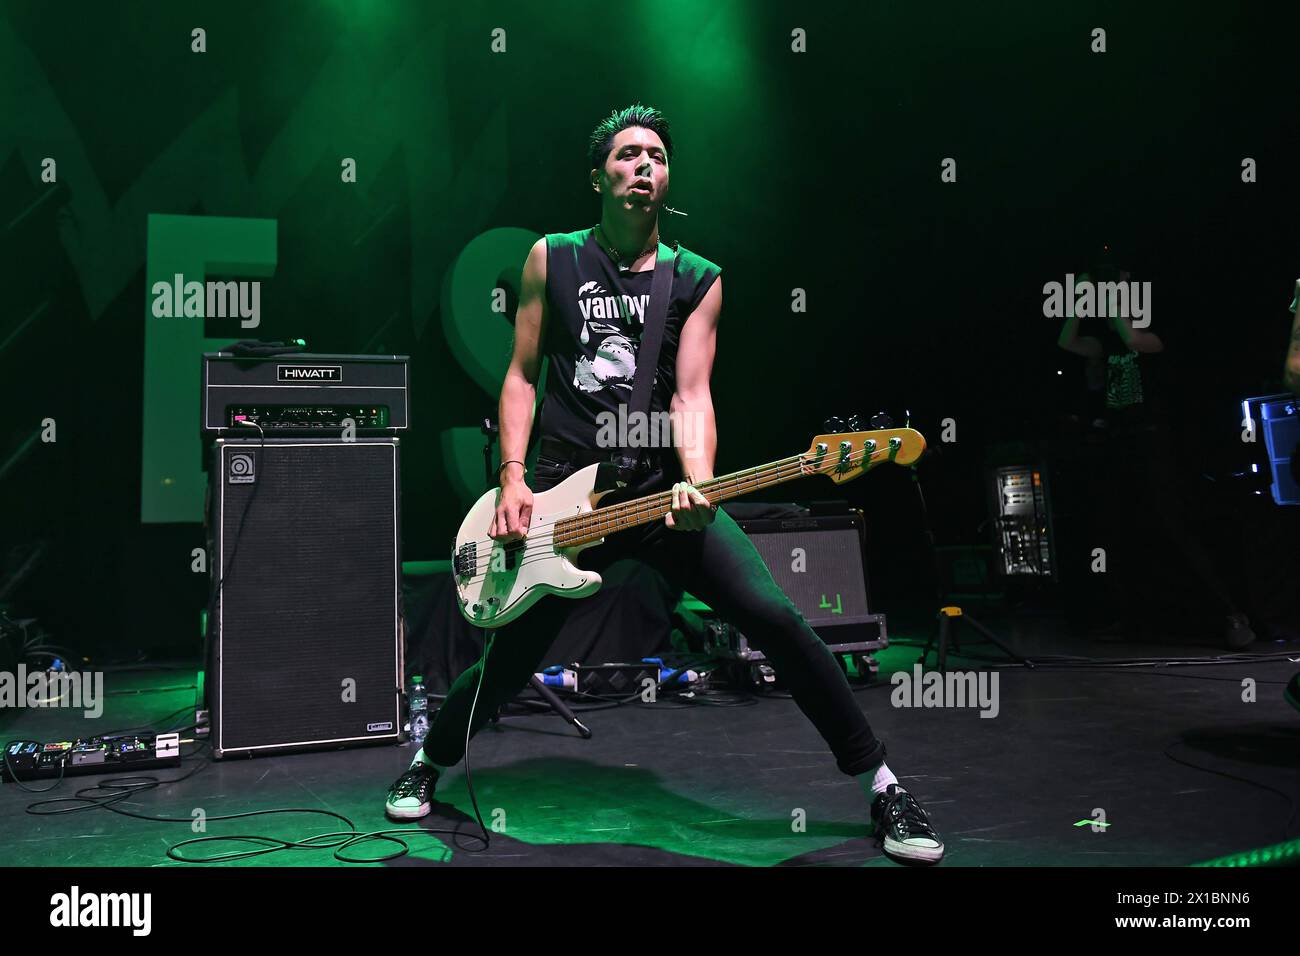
(36, 760)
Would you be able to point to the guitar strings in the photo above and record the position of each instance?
(654, 499)
(759, 477)
(731, 486)
(623, 507)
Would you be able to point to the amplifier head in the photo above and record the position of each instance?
(305, 393)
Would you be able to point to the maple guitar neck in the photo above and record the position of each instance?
(842, 457)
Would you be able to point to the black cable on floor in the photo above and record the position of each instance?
(117, 789)
(1286, 830)
(1062, 662)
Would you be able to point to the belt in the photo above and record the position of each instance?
(580, 457)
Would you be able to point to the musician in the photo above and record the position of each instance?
(1138, 494)
(582, 304)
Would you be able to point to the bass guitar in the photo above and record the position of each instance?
(498, 581)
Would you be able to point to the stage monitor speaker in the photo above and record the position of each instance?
(818, 561)
(304, 628)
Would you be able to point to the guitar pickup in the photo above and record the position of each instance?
(512, 553)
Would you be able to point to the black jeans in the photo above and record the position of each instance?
(721, 567)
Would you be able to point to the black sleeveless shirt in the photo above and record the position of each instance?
(596, 315)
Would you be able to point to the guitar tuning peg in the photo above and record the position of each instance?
(832, 424)
(882, 420)
(854, 423)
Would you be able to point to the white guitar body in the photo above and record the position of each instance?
(498, 581)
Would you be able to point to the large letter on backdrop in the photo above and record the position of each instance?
(480, 339)
(171, 475)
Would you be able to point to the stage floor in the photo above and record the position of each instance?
(668, 785)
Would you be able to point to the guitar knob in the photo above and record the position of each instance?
(854, 424)
(476, 608)
(832, 424)
(882, 420)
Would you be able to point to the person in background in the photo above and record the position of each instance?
(1137, 500)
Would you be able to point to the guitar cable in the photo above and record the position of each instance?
(469, 726)
(220, 583)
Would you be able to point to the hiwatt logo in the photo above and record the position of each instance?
(949, 689)
(53, 689)
(309, 373)
(1098, 300)
(596, 303)
(76, 909)
(209, 300)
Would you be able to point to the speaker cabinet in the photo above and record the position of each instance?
(817, 560)
(304, 625)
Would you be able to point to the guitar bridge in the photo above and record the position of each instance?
(464, 561)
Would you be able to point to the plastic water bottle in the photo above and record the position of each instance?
(418, 699)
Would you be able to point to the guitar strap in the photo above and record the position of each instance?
(633, 460)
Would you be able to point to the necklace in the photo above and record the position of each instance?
(613, 253)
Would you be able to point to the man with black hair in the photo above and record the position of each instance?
(582, 306)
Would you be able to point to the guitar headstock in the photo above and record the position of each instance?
(844, 455)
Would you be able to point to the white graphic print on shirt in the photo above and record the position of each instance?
(613, 366)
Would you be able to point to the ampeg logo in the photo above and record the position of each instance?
(309, 373)
(241, 470)
(376, 728)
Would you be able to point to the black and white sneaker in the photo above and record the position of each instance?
(904, 828)
(409, 796)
